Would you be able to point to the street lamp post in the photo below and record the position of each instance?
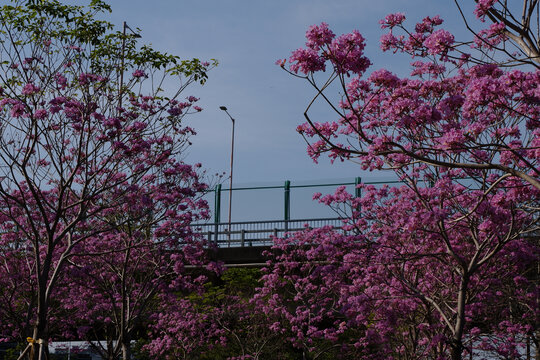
(135, 35)
(231, 177)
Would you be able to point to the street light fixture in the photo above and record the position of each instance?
(231, 177)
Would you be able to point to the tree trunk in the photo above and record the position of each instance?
(111, 354)
(457, 343)
(456, 352)
(40, 337)
(126, 350)
(41, 328)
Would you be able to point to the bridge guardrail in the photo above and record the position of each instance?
(257, 233)
(260, 233)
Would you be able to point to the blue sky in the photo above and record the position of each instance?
(247, 37)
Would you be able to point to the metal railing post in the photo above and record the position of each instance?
(357, 191)
(217, 211)
(287, 209)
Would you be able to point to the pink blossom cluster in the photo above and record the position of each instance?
(306, 61)
(30, 89)
(345, 52)
(61, 80)
(183, 330)
(392, 20)
(491, 37)
(423, 41)
(428, 24)
(139, 73)
(318, 36)
(87, 78)
(482, 8)
(454, 113)
(439, 42)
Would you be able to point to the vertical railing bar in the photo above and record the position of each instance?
(358, 192)
(217, 211)
(287, 198)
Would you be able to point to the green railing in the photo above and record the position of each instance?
(260, 233)
(286, 194)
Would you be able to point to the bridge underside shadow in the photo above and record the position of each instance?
(248, 256)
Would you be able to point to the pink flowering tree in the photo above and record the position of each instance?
(220, 322)
(414, 278)
(183, 330)
(462, 133)
(117, 278)
(455, 114)
(303, 289)
(86, 133)
(16, 289)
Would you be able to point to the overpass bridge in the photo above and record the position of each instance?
(241, 243)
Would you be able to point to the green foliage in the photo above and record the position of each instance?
(246, 329)
(14, 353)
(138, 353)
(238, 281)
(107, 51)
(50, 19)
